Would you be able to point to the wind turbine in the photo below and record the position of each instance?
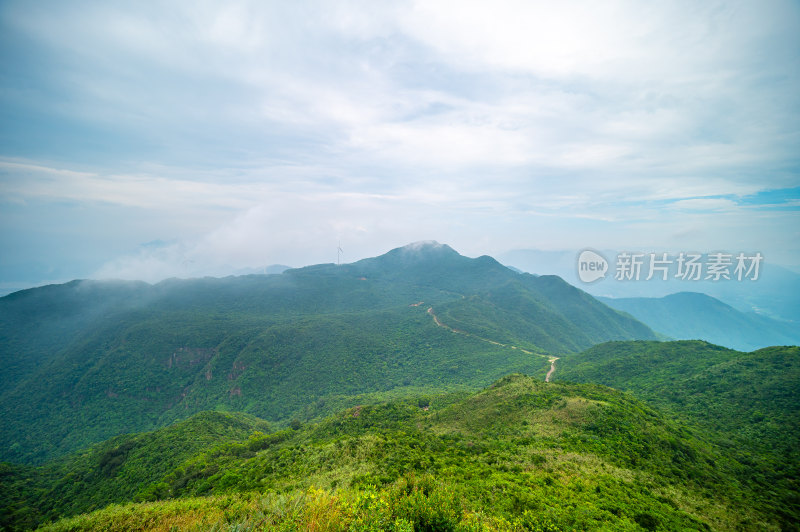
(339, 252)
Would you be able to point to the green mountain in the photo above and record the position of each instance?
(518, 455)
(85, 361)
(377, 396)
(747, 403)
(694, 316)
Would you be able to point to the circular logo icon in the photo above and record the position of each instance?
(591, 266)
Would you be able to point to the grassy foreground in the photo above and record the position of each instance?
(519, 455)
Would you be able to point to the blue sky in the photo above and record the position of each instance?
(156, 139)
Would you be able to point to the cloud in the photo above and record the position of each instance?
(25, 180)
(705, 204)
(578, 84)
(256, 131)
(292, 229)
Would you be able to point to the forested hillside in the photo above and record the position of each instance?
(747, 403)
(519, 455)
(377, 396)
(88, 360)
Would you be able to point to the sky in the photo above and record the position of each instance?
(145, 140)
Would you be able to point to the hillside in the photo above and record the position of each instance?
(542, 313)
(114, 470)
(87, 360)
(694, 316)
(746, 402)
(518, 455)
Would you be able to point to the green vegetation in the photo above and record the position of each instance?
(382, 395)
(519, 455)
(746, 403)
(542, 313)
(111, 471)
(86, 361)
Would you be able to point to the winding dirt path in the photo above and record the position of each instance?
(552, 361)
(439, 323)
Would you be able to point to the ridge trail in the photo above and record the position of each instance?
(439, 323)
(552, 361)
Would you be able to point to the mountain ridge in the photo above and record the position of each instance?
(127, 356)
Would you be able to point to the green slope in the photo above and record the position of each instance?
(544, 313)
(728, 391)
(112, 471)
(85, 361)
(745, 402)
(143, 376)
(519, 455)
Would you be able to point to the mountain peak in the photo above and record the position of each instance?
(420, 252)
(430, 262)
(425, 246)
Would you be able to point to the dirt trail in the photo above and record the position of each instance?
(438, 322)
(552, 361)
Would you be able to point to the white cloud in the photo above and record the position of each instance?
(291, 228)
(615, 42)
(26, 180)
(383, 122)
(705, 204)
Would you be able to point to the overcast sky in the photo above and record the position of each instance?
(155, 139)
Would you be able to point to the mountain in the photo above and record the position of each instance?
(520, 454)
(689, 315)
(745, 402)
(385, 394)
(87, 360)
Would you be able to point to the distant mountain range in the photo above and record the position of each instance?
(693, 316)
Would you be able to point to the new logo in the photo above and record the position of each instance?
(591, 266)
